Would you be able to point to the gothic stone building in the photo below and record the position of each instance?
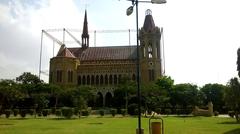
(103, 67)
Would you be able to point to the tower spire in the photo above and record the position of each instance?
(85, 35)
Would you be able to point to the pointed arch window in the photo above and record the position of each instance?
(92, 79)
(79, 80)
(106, 79)
(115, 79)
(101, 80)
(84, 80)
(110, 79)
(150, 51)
(88, 80)
(70, 76)
(97, 80)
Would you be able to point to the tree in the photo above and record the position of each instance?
(214, 93)
(28, 78)
(232, 96)
(238, 61)
(185, 95)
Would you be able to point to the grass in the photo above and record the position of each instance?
(117, 125)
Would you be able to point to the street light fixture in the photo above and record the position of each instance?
(129, 12)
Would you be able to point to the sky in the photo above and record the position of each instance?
(201, 37)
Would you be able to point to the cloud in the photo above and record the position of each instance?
(21, 22)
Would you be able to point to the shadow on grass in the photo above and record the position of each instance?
(234, 131)
(230, 123)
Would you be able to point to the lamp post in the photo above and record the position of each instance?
(129, 12)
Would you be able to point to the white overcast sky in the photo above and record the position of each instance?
(201, 37)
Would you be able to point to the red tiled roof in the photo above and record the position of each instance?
(105, 53)
(64, 52)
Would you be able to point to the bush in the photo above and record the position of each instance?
(85, 113)
(31, 111)
(39, 113)
(101, 112)
(216, 113)
(113, 112)
(132, 109)
(45, 112)
(67, 112)
(23, 113)
(76, 111)
(53, 110)
(7, 113)
(58, 112)
(15, 112)
(158, 110)
(123, 112)
(168, 111)
(231, 114)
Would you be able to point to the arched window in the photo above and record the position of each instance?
(84, 80)
(133, 77)
(150, 51)
(101, 80)
(92, 79)
(115, 79)
(106, 79)
(97, 80)
(79, 80)
(88, 80)
(110, 79)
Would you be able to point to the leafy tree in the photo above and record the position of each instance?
(28, 78)
(238, 61)
(214, 93)
(165, 83)
(232, 96)
(185, 95)
(124, 92)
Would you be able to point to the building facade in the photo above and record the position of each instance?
(103, 67)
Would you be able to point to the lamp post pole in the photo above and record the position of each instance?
(129, 12)
(138, 73)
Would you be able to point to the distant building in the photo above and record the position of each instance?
(103, 67)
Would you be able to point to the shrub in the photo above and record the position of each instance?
(85, 113)
(168, 111)
(31, 111)
(67, 112)
(7, 113)
(39, 113)
(58, 112)
(231, 114)
(113, 112)
(15, 112)
(132, 109)
(23, 113)
(216, 113)
(45, 112)
(158, 110)
(101, 112)
(123, 112)
(53, 110)
(76, 111)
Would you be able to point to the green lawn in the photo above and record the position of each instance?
(117, 125)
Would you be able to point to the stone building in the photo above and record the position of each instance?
(103, 67)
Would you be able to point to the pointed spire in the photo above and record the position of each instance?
(149, 24)
(85, 35)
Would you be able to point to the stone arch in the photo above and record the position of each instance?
(108, 99)
(99, 100)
